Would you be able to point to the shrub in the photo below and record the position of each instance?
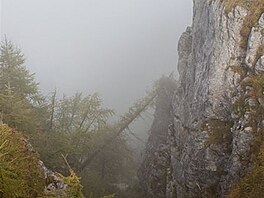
(20, 173)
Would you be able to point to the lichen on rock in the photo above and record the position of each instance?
(216, 106)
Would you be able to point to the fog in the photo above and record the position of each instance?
(114, 47)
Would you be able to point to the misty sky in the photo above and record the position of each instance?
(114, 47)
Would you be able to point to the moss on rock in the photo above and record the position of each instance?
(255, 9)
(219, 131)
(252, 185)
(20, 173)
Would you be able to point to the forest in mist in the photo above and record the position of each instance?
(132, 99)
(78, 84)
(114, 47)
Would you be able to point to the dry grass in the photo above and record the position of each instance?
(255, 8)
(252, 184)
(219, 131)
(238, 69)
(260, 53)
(230, 4)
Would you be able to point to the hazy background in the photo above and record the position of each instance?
(114, 47)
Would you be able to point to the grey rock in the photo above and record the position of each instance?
(260, 65)
(261, 21)
(203, 142)
(252, 102)
(255, 41)
(55, 186)
(153, 173)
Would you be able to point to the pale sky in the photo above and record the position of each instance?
(114, 47)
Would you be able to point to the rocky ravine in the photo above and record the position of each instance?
(207, 126)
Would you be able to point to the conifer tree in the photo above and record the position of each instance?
(14, 74)
(19, 96)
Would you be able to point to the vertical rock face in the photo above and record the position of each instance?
(202, 142)
(153, 172)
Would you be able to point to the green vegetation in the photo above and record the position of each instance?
(74, 187)
(253, 89)
(251, 186)
(74, 126)
(20, 173)
(20, 101)
(251, 100)
(254, 82)
(255, 9)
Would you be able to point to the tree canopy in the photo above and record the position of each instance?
(75, 126)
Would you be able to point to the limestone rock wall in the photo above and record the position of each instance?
(206, 145)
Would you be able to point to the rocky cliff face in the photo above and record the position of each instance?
(207, 130)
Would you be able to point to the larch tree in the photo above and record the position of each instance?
(20, 100)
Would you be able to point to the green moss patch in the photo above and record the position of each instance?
(20, 173)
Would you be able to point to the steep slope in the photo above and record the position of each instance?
(22, 174)
(214, 127)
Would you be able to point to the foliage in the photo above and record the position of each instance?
(74, 187)
(14, 75)
(123, 124)
(80, 113)
(76, 126)
(20, 102)
(79, 129)
(113, 164)
(20, 173)
(112, 167)
(79, 124)
(252, 185)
